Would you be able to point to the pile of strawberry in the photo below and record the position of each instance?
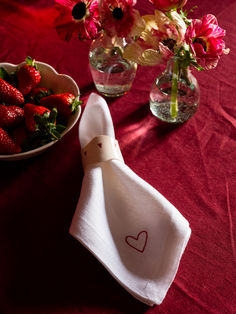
(30, 116)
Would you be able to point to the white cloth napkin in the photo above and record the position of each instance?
(129, 226)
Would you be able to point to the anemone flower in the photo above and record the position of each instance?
(118, 17)
(159, 39)
(169, 29)
(205, 38)
(77, 18)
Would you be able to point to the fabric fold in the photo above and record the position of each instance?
(131, 228)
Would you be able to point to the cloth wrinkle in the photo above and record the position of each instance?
(204, 157)
(195, 299)
(231, 227)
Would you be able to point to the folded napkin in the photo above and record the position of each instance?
(129, 226)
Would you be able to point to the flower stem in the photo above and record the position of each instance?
(174, 90)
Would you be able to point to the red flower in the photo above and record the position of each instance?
(205, 38)
(117, 17)
(77, 18)
(167, 5)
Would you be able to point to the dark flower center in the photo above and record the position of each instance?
(201, 42)
(170, 43)
(117, 13)
(79, 10)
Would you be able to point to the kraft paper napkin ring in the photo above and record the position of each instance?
(101, 148)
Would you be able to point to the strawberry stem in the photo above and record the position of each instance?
(46, 126)
(31, 62)
(75, 104)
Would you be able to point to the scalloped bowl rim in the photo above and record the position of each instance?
(76, 116)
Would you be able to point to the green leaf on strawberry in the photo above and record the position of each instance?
(75, 104)
(31, 62)
(3, 74)
(8, 77)
(46, 125)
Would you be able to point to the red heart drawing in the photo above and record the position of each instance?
(100, 145)
(138, 243)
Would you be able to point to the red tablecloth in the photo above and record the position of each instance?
(42, 268)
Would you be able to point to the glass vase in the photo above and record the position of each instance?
(112, 74)
(175, 94)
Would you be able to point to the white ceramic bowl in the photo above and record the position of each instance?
(58, 83)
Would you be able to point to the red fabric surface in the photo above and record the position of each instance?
(42, 268)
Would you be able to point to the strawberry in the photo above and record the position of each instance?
(10, 116)
(37, 93)
(30, 112)
(9, 94)
(65, 103)
(28, 76)
(7, 144)
(42, 122)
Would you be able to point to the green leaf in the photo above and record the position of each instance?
(46, 126)
(168, 14)
(31, 62)
(184, 15)
(60, 128)
(28, 60)
(3, 74)
(75, 104)
(53, 115)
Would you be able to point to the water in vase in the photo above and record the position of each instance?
(112, 74)
(187, 98)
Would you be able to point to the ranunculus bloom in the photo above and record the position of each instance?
(167, 5)
(77, 18)
(118, 17)
(205, 38)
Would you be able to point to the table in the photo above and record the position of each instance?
(43, 269)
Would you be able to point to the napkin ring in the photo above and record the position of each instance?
(101, 148)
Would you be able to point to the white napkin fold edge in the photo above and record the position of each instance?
(72, 231)
(149, 300)
(156, 300)
(95, 102)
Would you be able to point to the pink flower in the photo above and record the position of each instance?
(77, 18)
(205, 38)
(117, 17)
(167, 5)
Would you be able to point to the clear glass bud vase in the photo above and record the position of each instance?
(112, 74)
(175, 94)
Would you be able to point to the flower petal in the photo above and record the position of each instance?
(151, 57)
(85, 28)
(205, 38)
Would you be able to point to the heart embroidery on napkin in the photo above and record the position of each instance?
(138, 243)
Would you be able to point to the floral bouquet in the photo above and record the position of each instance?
(111, 24)
(86, 19)
(166, 34)
(169, 33)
